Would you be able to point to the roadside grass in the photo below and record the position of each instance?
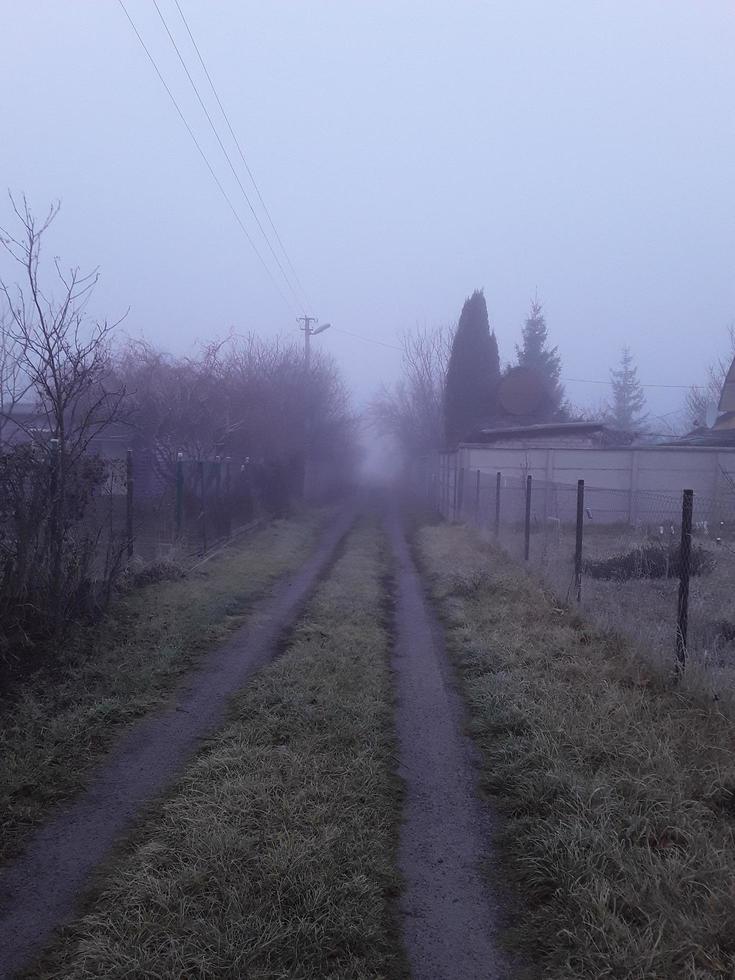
(274, 856)
(618, 789)
(643, 608)
(61, 720)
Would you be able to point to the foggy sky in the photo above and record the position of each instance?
(409, 152)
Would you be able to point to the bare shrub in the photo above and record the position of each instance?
(245, 398)
(59, 360)
(47, 551)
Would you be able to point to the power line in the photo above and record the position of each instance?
(203, 155)
(590, 381)
(368, 340)
(240, 150)
(299, 300)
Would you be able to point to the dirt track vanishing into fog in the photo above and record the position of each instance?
(39, 891)
(450, 920)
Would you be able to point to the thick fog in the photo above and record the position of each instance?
(408, 153)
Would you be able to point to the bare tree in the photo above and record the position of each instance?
(55, 355)
(13, 383)
(410, 411)
(702, 400)
(62, 356)
(242, 397)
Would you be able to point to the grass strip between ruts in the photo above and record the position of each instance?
(618, 788)
(274, 856)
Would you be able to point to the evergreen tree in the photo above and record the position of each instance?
(626, 411)
(473, 372)
(536, 354)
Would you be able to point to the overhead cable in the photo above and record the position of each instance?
(204, 156)
(240, 151)
(368, 340)
(591, 381)
(222, 146)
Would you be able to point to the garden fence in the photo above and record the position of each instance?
(656, 567)
(155, 513)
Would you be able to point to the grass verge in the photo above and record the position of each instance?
(618, 789)
(274, 855)
(62, 719)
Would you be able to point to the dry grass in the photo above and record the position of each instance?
(644, 609)
(274, 856)
(619, 789)
(62, 719)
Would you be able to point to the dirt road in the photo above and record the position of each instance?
(449, 919)
(40, 890)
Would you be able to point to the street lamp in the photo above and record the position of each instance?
(309, 332)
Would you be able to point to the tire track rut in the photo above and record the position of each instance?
(449, 919)
(40, 890)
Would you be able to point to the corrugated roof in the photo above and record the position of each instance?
(546, 428)
(597, 431)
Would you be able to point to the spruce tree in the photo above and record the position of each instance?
(626, 411)
(473, 372)
(535, 353)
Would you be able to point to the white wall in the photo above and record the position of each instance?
(630, 484)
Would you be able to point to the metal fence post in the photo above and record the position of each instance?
(498, 480)
(218, 495)
(56, 517)
(54, 463)
(578, 545)
(527, 540)
(202, 484)
(179, 493)
(454, 494)
(228, 495)
(459, 504)
(129, 490)
(477, 500)
(685, 550)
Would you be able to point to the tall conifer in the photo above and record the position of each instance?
(627, 409)
(473, 373)
(534, 352)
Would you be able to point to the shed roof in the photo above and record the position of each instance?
(550, 430)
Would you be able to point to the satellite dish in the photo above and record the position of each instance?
(522, 391)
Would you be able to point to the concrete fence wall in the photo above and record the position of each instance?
(630, 485)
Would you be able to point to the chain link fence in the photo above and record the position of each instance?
(657, 568)
(143, 511)
(69, 526)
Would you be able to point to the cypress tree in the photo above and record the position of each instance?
(473, 372)
(626, 411)
(535, 353)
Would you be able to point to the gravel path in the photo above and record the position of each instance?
(449, 919)
(40, 890)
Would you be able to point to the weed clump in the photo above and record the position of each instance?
(139, 573)
(650, 561)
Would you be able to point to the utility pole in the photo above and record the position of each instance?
(307, 322)
(309, 332)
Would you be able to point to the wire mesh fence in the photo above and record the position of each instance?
(655, 567)
(152, 512)
(70, 525)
